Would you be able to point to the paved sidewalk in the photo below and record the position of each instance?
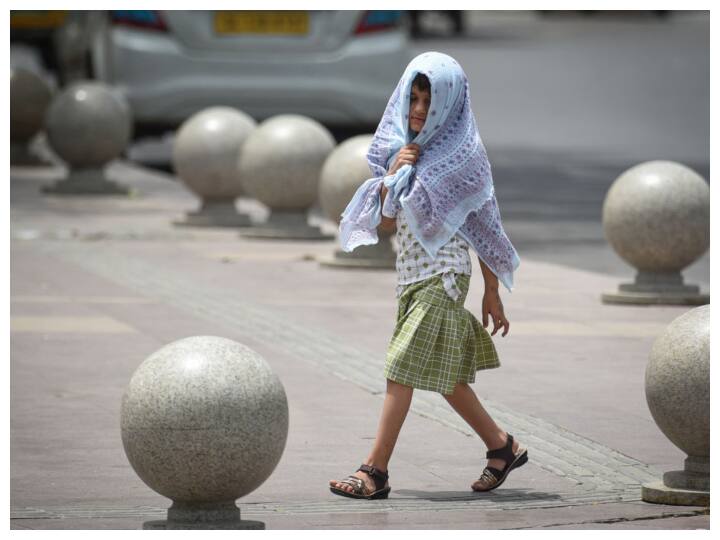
(98, 284)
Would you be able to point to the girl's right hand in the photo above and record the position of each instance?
(408, 155)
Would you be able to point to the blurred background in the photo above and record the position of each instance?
(565, 101)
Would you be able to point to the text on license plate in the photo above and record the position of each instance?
(262, 22)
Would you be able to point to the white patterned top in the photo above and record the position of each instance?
(414, 264)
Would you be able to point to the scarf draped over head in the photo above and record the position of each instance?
(449, 190)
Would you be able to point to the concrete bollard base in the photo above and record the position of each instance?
(659, 493)
(364, 263)
(203, 516)
(215, 214)
(86, 182)
(657, 288)
(687, 480)
(286, 225)
(660, 297)
(167, 525)
(378, 256)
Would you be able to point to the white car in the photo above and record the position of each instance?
(338, 67)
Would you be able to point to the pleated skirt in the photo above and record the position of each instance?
(437, 342)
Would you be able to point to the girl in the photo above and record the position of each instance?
(432, 182)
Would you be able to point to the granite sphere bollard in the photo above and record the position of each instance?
(205, 157)
(677, 388)
(345, 169)
(29, 99)
(656, 216)
(88, 125)
(280, 166)
(204, 421)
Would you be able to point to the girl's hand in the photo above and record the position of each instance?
(408, 155)
(492, 305)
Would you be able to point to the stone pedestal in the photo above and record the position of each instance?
(280, 166)
(677, 388)
(205, 157)
(657, 288)
(656, 217)
(88, 125)
(286, 225)
(216, 214)
(86, 182)
(203, 516)
(380, 256)
(204, 422)
(678, 492)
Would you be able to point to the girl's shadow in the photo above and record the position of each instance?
(497, 496)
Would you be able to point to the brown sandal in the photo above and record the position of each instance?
(359, 488)
(495, 477)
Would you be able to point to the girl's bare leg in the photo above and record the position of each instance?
(467, 405)
(395, 409)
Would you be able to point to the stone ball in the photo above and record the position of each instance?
(677, 382)
(29, 99)
(281, 161)
(343, 172)
(206, 151)
(656, 216)
(204, 419)
(88, 124)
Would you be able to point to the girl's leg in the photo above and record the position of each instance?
(467, 405)
(395, 409)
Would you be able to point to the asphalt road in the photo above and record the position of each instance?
(605, 87)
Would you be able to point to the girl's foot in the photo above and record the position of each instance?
(346, 486)
(366, 483)
(495, 472)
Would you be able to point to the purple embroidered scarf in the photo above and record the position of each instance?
(450, 188)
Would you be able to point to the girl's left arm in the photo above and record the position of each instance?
(492, 305)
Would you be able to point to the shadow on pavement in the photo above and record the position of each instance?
(497, 496)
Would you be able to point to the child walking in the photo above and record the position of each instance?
(432, 183)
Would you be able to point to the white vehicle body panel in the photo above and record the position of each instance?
(330, 74)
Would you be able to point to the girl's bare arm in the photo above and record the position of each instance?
(491, 280)
(492, 305)
(386, 224)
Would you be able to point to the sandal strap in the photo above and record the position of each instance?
(505, 453)
(498, 474)
(379, 477)
(357, 484)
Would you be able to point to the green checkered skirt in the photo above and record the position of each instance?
(437, 342)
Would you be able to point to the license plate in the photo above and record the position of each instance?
(262, 22)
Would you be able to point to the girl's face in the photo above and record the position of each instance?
(419, 107)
